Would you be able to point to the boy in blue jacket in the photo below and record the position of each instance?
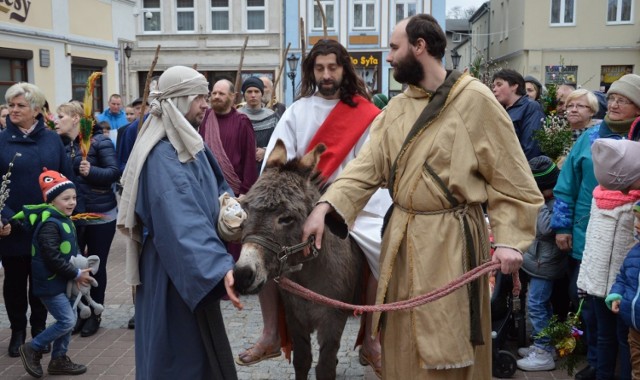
(624, 296)
(54, 243)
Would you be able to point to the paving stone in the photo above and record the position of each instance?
(110, 353)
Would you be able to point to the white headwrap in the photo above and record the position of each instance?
(178, 86)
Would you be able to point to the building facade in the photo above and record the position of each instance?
(57, 44)
(590, 43)
(209, 36)
(362, 26)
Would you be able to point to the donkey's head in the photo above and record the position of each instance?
(277, 206)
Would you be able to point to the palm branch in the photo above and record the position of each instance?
(86, 122)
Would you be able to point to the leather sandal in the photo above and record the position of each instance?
(375, 362)
(256, 354)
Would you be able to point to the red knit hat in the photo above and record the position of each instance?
(53, 184)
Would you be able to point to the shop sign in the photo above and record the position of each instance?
(610, 74)
(365, 59)
(17, 9)
(560, 74)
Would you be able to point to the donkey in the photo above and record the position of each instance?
(277, 206)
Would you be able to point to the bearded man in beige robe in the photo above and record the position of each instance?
(443, 148)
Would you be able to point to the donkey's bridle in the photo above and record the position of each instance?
(283, 252)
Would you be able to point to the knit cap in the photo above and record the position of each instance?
(533, 80)
(616, 163)
(545, 172)
(53, 184)
(627, 86)
(253, 82)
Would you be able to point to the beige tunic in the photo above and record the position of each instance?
(473, 148)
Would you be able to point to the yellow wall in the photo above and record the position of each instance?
(43, 77)
(90, 18)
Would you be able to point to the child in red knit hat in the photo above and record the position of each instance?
(54, 243)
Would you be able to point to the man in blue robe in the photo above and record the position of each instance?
(171, 187)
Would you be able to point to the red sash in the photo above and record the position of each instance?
(341, 131)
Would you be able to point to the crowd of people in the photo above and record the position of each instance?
(428, 168)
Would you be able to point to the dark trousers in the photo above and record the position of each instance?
(613, 343)
(17, 275)
(97, 239)
(634, 347)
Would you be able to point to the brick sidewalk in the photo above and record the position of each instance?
(110, 353)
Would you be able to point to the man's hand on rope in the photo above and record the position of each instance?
(510, 259)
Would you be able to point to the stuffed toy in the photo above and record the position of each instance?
(84, 291)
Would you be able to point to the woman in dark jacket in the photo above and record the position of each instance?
(94, 178)
(39, 147)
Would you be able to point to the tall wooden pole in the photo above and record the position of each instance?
(324, 19)
(238, 81)
(277, 79)
(147, 83)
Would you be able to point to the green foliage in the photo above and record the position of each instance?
(566, 337)
(555, 136)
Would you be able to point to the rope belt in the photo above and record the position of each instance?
(460, 212)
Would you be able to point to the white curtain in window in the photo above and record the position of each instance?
(185, 21)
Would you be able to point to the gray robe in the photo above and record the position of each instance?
(182, 267)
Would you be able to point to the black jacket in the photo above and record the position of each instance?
(41, 148)
(96, 189)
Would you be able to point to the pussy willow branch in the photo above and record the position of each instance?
(4, 188)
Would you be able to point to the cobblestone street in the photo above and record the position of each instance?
(110, 353)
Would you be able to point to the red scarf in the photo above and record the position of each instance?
(341, 131)
(210, 132)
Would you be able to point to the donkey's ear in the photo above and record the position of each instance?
(310, 160)
(278, 156)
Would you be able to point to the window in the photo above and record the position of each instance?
(329, 8)
(562, 12)
(219, 15)
(404, 9)
(79, 76)
(619, 11)
(12, 71)
(256, 15)
(153, 23)
(457, 37)
(185, 15)
(364, 14)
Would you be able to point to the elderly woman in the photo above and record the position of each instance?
(581, 105)
(39, 147)
(571, 213)
(94, 178)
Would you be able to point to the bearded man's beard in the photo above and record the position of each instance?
(408, 70)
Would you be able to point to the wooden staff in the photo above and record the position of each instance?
(303, 41)
(324, 19)
(238, 81)
(275, 82)
(147, 84)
